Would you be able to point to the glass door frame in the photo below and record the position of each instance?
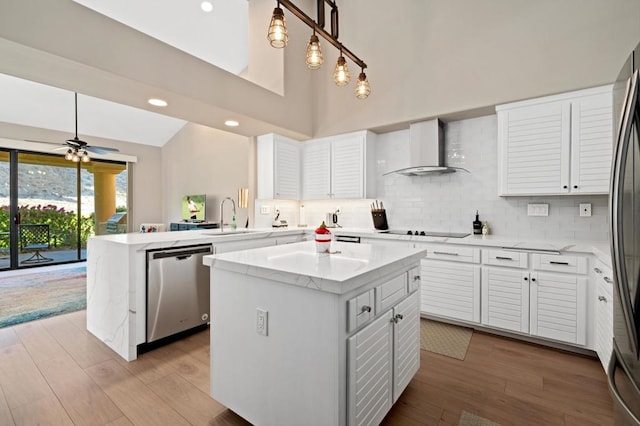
(14, 211)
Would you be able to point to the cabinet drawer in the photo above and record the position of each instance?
(505, 258)
(360, 310)
(452, 253)
(390, 292)
(559, 263)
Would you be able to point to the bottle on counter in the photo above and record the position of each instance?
(477, 225)
(485, 228)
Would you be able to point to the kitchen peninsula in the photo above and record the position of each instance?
(299, 337)
(117, 273)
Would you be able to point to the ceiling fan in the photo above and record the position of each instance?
(77, 149)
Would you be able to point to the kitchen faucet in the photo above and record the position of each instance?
(221, 211)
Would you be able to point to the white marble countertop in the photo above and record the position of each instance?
(349, 267)
(598, 248)
(148, 240)
(135, 238)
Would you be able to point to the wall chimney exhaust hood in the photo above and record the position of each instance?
(426, 150)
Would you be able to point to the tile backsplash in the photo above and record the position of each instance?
(448, 202)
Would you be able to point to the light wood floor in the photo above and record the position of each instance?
(53, 372)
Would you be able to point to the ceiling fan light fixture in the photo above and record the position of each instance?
(75, 157)
(85, 157)
(69, 154)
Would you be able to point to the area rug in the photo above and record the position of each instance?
(468, 419)
(444, 339)
(33, 296)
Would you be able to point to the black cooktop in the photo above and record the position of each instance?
(429, 233)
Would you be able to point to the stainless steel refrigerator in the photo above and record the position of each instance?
(624, 205)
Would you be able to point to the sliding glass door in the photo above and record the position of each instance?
(50, 206)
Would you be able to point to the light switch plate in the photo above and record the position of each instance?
(585, 210)
(264, 210)
(537, 209)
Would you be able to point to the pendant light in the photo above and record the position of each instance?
(362, 86)
(278, 38)
(277, 34)
(314, 53)
(341, 73)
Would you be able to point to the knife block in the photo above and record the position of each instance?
(379, 219)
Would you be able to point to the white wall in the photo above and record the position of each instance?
(429, 58)
(202, 160)
(448, 202)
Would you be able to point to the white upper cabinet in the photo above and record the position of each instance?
(559, 144)
(591, 143)
(316, 169)
(339, 167)
(278, 168)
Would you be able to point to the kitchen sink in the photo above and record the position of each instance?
(220, 233)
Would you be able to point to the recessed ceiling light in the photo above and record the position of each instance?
(158, 102)
(231, 123)
(206, 6)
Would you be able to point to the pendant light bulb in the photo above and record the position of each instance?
(277, 34)
(85, 157)
(69, 154)
(362, 87)
(314, 53)
(75, 157)
(341, 74)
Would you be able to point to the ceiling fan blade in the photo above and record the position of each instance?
(100, 149)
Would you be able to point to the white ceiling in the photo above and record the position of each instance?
(37, 105)
(218, 37)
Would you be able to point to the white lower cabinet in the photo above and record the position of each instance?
(604, 313)
(559, 307)
(450, 289)
(505, 299)
(382, 358)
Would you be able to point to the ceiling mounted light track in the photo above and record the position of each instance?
(278, 38)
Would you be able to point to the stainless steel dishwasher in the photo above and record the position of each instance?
(177, 290)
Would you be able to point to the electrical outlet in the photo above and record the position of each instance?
(264, 210)
(262, 321)
(537, 209)
(585, 210)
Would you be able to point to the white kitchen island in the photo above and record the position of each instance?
(301, 338)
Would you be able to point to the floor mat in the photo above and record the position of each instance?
(28, 297)
(468, 419)
(444, 339)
